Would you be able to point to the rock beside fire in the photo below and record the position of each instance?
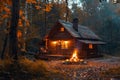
(80, 61)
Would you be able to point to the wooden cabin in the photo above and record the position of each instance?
(65, 37)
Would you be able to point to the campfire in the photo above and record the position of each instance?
(74, 59)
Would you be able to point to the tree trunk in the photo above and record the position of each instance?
(13, 41)
(4, 46)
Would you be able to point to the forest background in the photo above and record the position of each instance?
(37, 17)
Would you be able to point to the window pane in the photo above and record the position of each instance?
(90, 46)
(62, 29)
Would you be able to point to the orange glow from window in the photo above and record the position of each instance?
(54, 42)
(66, 44)
(90, 46)
(63, 44)
(62, 29)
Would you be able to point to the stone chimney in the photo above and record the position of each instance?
(75, 24)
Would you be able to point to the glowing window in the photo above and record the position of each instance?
(90, 46)
(62, 29)
(54, 43)
(64, 44)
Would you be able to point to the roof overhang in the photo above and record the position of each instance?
(92, 42)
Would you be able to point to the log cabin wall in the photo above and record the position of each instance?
(63, 33)
(56, 47)
(56, 40)
(60, 41)
(92, 52)
(87, 52)
(82, 51)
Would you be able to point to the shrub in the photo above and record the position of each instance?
(33, 67)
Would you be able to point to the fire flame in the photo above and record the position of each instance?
(74, 57)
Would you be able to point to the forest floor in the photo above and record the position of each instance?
(90, 71)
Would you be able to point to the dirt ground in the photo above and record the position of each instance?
(89, 71)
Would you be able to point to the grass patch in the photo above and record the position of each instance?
(25, 69)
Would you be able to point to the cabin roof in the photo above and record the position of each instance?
(92, 42)
(83, 31)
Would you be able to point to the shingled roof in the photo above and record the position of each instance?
(83, 31)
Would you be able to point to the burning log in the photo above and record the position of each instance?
(74, 57)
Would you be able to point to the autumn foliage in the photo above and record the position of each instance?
(5, 10)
